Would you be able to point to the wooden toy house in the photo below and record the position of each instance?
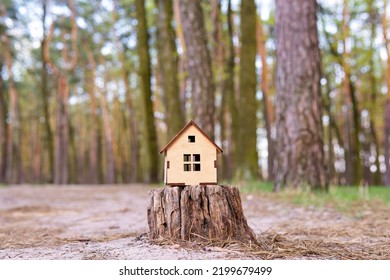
(190, 158)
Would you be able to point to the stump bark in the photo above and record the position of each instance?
(198, 213)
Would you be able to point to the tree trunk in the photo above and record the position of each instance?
(300, 158)
(133, 131)
(201, 213)
(387, 142)
(75, 166)
(61, 171)
(246, 152)
(3, 130)
(183, 67)
(387, 105)
(62, 72)
(199, 65)
(93, 163)
(168, 64)
(354, 176)
(374, 91)
(332, 126)
(45, 96)
(233, 123)
(150, 137)
(108, 140)
(13, 118)
(267, 105)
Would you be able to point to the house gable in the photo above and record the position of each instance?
(190, 158)
(181, 132)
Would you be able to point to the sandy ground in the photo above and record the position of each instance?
(109, 222)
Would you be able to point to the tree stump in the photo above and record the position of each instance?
(198, 213)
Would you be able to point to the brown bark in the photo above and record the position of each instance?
(168, 64)
(119, 144)
(133, 131)
(199, 65)
(387, 105)
(94, 120)
(352, 115)
(246, 153)
(232, 125)
(36, 153)
(61, 170)
(267, 105)
(45, 96)
(332, 128)
(3, 129)
(300, 160)
(376, 178)
(150, 137)
(387, 142)
(61, 164)
(183, 69)
(75, 164)
(198, 213)
(219, 70)
(13, 167)
(108, 140)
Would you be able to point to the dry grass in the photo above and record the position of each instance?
(272, 245)
(364, 234)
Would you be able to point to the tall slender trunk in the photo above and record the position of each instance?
(332, 127)
(183, 68)
(199, 65)
(267, 105)
(75, 166)
(373, 96)
(352, 114)
(118, 143)
(36, 152)
(246, 154)
(133, 132)
(387, 142)
(93, 174)
(218, 53)
(387, 106)
(61, 171)
(108, 140)
(149, 132)
(168, 64)
(61, 164)
(45, 96)
(13, 119)
(230, 92)
(3, 129)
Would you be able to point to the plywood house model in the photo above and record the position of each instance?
(190, 158)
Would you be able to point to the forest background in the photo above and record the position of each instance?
(90, 90)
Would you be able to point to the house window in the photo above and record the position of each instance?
(187, 167)
(168, 164)
(191, 138)
(188, 158)
(197, 167)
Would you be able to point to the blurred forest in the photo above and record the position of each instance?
(91, 90)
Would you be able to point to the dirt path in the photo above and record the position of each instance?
(108, 222)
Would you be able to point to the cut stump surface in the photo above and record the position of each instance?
(202, 213)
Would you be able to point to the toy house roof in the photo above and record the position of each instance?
(183, 130)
